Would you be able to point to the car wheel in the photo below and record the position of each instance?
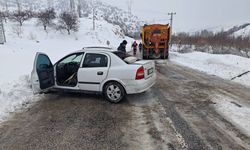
(114, 92)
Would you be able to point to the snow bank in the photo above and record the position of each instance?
(224, 66)
(15, 95)
(234, 112)
(17, 55)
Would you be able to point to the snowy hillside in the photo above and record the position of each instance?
(17, 55)
(34, 39)
(245, 32)
(129, 23)
(230, 30)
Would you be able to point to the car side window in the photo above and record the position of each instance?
(43, 62)
(74, 58)
(95, 60)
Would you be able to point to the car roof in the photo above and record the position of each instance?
(109, 49)
(96, 49)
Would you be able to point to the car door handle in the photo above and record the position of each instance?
(99, 73)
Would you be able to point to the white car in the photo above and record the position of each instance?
(94, 69)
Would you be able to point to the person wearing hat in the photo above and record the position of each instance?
(134, 46)
(122, 46)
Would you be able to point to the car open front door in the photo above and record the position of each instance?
(42, 75)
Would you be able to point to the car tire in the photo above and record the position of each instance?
(114, 92)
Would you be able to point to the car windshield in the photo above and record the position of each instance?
(127, 58)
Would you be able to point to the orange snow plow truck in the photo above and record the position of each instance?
(155, 41)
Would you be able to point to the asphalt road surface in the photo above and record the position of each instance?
(177, 113)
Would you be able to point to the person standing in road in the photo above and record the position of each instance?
(122, 46)
(140, 47)
(134, 46)
(108, 42)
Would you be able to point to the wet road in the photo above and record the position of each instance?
(177, 113)
(187, 98)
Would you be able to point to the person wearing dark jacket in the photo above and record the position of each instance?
(122, 46)
(140, 47)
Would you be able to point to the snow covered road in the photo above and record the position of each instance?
(209, 112)
(182, 111)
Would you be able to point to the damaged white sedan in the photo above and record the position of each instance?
(94, 69)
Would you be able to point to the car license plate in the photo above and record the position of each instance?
(150, 71)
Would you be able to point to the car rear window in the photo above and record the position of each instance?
(124, 57)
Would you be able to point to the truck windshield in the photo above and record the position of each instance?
(157, 31)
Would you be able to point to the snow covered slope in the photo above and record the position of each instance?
(17, 55)
(129, 23)
(224, 66)
(245, 32)
(230, 30)
(56, 44)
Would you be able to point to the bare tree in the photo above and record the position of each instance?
(6, 5)
(94, 13)
(20, 16)
(16, 29)
(29, 5)
(46, 17)
(79, 8)
(72, 6)
(68, 21)
(129, 3)
(85, 8)
(4, 10)
(4, 15)
(18, 5)
(50, 4)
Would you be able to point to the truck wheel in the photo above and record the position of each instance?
(162, 56)
(114, 92)
(143, 56)
(167, 56)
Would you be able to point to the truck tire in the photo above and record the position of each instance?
(143, 55)
(167, 56)
(162, 56)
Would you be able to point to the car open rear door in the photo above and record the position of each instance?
(93, 71)
(42, 75)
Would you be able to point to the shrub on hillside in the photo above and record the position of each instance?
(68, 21)
(219, 43)
(20, 16)
(46, 18)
